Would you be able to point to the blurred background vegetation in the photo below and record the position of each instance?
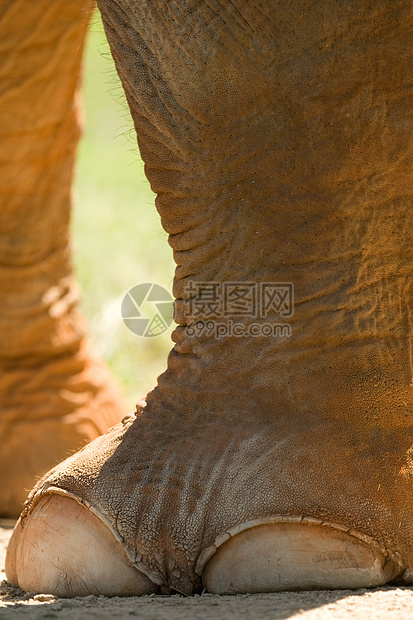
(117, 235)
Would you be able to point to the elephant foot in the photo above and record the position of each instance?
(47, 413)
(73, 552)
(153, 506)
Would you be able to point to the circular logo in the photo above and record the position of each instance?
(147, 309)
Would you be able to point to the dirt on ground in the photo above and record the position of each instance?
(378, 604)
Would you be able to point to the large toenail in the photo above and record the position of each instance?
(66, 550)
(296, 556)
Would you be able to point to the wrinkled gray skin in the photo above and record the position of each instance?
(277, 137)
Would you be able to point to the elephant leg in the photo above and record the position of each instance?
(54, 394)
(277, 137)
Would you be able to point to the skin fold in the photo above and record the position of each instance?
(277, 137)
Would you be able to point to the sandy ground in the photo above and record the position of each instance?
(378, 604)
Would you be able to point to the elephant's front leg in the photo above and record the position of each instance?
(278, 139)
(54, 395)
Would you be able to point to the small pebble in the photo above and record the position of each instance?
(44, 598)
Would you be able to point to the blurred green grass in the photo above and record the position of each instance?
(117, 235)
